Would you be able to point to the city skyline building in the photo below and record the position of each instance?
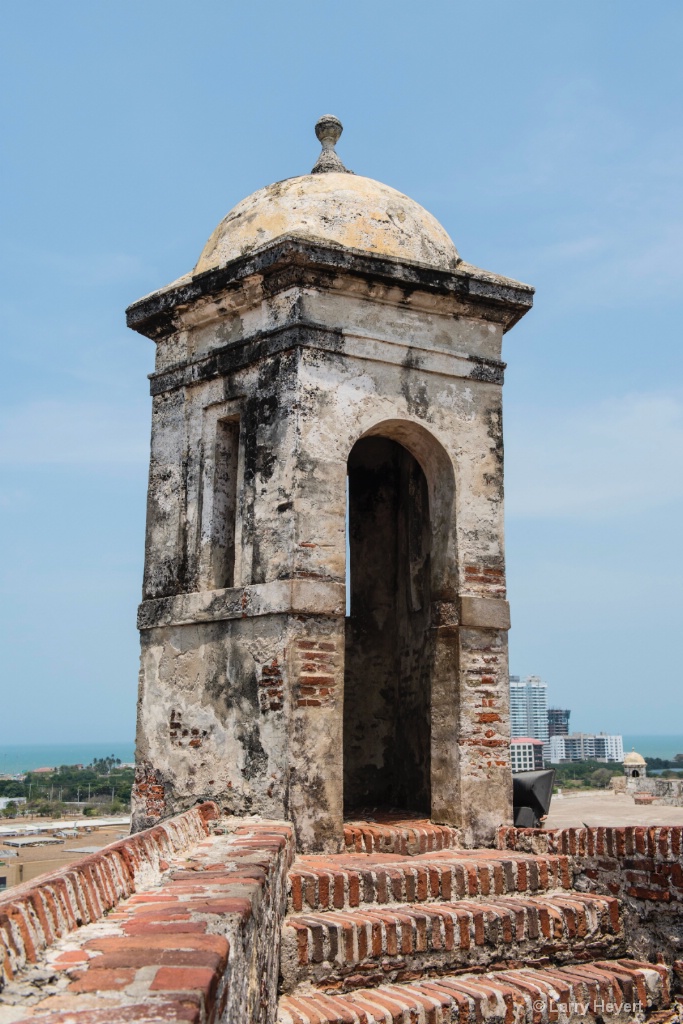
(558, 722)
(529, 710)
(581, 746)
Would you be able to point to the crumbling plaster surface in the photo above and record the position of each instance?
(218, 719)
(346, 209)
(310, 362)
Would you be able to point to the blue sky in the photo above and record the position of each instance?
(546, 137)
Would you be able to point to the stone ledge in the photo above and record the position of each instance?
(501, 298)
(292, 597)
(306, 334)
(280, 597)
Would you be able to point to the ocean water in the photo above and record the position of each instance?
(654, 746)
(15, 759)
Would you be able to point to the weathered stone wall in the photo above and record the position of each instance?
(294, 365)
(641, 865)
(236, 711)
(181, 549)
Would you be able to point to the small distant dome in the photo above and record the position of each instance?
(634, 759)
(333, 207)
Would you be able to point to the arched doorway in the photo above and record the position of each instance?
(388, 657)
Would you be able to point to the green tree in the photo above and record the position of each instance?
(104, 765)
(48, 809)
(601, 778)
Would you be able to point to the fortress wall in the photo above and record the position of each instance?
(35, 914)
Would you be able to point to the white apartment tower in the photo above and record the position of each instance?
(581, 746)
(529, 708)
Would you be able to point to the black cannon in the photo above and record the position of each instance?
(531, 796)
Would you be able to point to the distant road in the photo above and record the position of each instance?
(22, 828)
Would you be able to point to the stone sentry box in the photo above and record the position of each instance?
(328, 378)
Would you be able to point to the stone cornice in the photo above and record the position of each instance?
(291, 261)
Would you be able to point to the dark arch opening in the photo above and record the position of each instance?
(388, 660)
(635, 774)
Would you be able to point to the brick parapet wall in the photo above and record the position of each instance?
(35, 914)
(181, 922)
(641, 865)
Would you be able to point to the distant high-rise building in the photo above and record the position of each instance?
(558, 722)
(528, 709)
(581, 746)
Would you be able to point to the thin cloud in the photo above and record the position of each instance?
(627, 265)
(604, 202)
(613, 459)
(12, 497)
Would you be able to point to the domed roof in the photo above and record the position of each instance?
(332, 205)
(634, 758)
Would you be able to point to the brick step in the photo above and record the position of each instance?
(344, 881)
(406, 835)
(347, 949)
(617, 990)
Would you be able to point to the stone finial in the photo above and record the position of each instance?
(328, 128)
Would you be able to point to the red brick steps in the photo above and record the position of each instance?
(347, 949)
(346, 881)
(402, 834)
(618, 990)
(183, 923)
(406, 928)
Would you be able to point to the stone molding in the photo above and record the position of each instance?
(295, 597)
(308, 334)
(280, 597)
(497, 298)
